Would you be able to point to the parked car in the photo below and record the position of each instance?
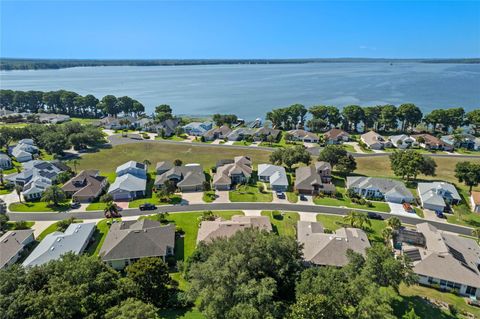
(75, 205)
(303, 198)
(374, 216)
(280, 195)
(147, 206)
(408, 208)
(439, 214)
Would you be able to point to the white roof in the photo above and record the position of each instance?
(435, 192)
(276, 174)
(130, 164)
(56, 244)
(128, 182)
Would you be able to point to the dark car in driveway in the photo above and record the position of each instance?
(303, 198)
(147, 206)
(374, 216)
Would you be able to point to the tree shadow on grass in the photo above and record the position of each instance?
(180, 247)
(423, 308)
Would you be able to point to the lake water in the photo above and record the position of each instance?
(251, 90)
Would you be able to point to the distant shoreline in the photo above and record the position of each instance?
(38, 64)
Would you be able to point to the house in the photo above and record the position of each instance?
(320, 248)
(128, 187)
(275, 175)
(12, 245)
(437, 195)
(143, 124)
(304, 136)
(5, 161)
(36, 177)
(74, 240)
(217, 133)
(237, 172)
(133, 168)
(336, 136)
(128, 241)
(219, 228)
(402, 141)
(467, 141)
(431, 142)
(241, 133)
(162, 167)
(475, 201)
(263, 133)
(86, 186)
(314, 179)
(441, 259)
(197, 128)
(254, 124)
(52, 118)
(24, 151)
(375, 141)
(118, 123)
(187, 178)
(168, 127)
(380, 188)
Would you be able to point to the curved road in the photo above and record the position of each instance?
(462, 230)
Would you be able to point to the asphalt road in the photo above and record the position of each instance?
(233, 206)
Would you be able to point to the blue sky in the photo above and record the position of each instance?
(154, 29)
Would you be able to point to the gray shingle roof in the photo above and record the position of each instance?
(210, 230)
(128, 182)
(384, 185)
(11, 243)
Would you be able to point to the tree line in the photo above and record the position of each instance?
(380, 118)
(68, 103)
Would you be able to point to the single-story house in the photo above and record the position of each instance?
(437, 195)
(197, 128)
(440, 259)
(475, 201)
(12, 244)
(237, 172)
(380, 188)
(168, 127)
(217, 133)
(128, 187)
(431, 142)
(86, 186)
(5, 161)
(467, 141)
(402, 141)
(128, 241)
(163, 166)
(304, 136)
(133, 168)
(75, 239)
(320, 248)
(240, 133)
(24, 150)
(336, 136)
(263, 133)
(144, 124)
(211, 230)
(314, 179)
(52, 118)
(275, 175)
(118, 123)
(188, 178)
(374, 140)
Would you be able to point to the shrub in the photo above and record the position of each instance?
(328, 231)
(179, 230)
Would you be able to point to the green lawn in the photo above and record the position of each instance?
(84, 121)
(96, 206)
(174, 199)
(50, 229)
(99, 237)
(172, 138)
(412, 296)
(11, 225)
(281, 143)
(292, 197)
(4, 190)
(38, 207)
(248, 193)
(208, 196)
(283, 223)
(242, 143)
(192, 313)
(349, 148)
(185, 246)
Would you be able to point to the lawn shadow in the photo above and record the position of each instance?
(180, 247)
(422, 307)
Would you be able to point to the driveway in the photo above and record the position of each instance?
(229, 143)
(40, 226)
(355, 146)
(309, 200)
(222, 197)
(122, 204)
(430, 215)
(308, 217)
(397, 209)
(9, 198)
(280, 200)
(192, 198)
(252, 212)
(216, 142)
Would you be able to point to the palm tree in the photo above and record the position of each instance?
(351, 218)
(54, 194)
(357, 219)
(387, 234)
(394, 223)
(362, 220)
(19, 190)
(110, 210)
(146, 162)
(74, 163)
(476, 233)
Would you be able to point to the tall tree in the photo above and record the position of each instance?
(388, 117)
(410, 115)
(54, 194)
(468, 173)
(109, 105)
(290, 156)
(354, 114)
(473, 118)
(372, 117)
(163, 112)
(410, 163)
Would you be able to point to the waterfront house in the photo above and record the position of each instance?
(437, 196)
(304, 136)
(5, 161)
(375, 141)
(440, 259)
(402, 141)
(197, 128)
(219, 228)
(168, 127)
(275, 175)
(74, 240)
(467, 141)
(86, 186)
(240, 133)
(431, 142)
(336, 136)
(217, 133)
(330, 249)
(118, 123)
(128, 241)
(262, 134)
(475, 201)
(380, 188)
(187, 178)
(12, 245)
(314, 179)
(238, 172)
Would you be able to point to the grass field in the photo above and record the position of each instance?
(99, 237)
(38, 207)
(283, 223)
(96, 206)
(248, 193)
(84, 121)
(208, 196)
(11, 225)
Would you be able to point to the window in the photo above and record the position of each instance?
(471, 291)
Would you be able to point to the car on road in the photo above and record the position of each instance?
(303, 198)
(374, 216)
(147, 206)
